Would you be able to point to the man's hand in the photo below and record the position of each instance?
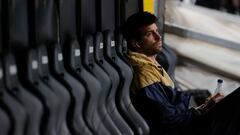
(218, 97)
(210, 102)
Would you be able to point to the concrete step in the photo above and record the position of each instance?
(219, 59)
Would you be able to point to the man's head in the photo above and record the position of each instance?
(141, 32)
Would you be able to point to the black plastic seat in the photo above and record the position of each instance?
(68, 31)
(44, 30)
(123, 100)
(121, 48)
(76, 89)
(5, 123)
(60, 91)
(74, 66)
(90, 64)
(112, 73)
(168, 59)
(62, 95)
(32, 105)
(16, 111)
(34, 84)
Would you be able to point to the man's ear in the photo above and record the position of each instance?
(135, 44)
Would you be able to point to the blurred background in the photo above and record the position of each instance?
(205, 35)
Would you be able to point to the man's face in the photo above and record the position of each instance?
(150, 41)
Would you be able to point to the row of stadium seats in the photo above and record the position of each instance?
(58, 75)
(80, 89)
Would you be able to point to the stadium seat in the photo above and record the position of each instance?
(67, 13)
(168, 59)
(124, 103)
(76, 89)
(16, 111)
(112, 73)
(91, 84)
(90, 64)
(32, 82)
(62, 94)
(32, 105)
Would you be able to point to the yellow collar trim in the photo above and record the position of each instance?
(147, 71)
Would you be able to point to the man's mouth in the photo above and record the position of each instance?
(159, 44)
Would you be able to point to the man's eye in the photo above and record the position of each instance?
(148, 34)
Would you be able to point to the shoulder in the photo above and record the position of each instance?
(145, 77)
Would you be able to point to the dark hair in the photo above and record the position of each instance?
(131, 27)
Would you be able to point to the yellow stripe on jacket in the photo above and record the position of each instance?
(147, 72)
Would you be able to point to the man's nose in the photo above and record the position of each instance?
(157, 36)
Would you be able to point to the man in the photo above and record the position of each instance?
(165, 109)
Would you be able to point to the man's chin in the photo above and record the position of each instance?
(160, 49)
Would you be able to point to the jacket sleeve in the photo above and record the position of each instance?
(164, 106)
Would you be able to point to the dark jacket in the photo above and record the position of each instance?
(165, 109)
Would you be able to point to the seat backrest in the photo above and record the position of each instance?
(124, 103)
(90, 64)
(43, 27)
(62, 94)
(5, 117)
(168, 59)
(5, 124)
(113, 75)
(75, 88)
(40, 90)
(124, 47)
(92, 85)
(121, 46)
(68, 31)
(15, 109)
(32, 104)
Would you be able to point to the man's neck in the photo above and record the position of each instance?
(152, 58)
